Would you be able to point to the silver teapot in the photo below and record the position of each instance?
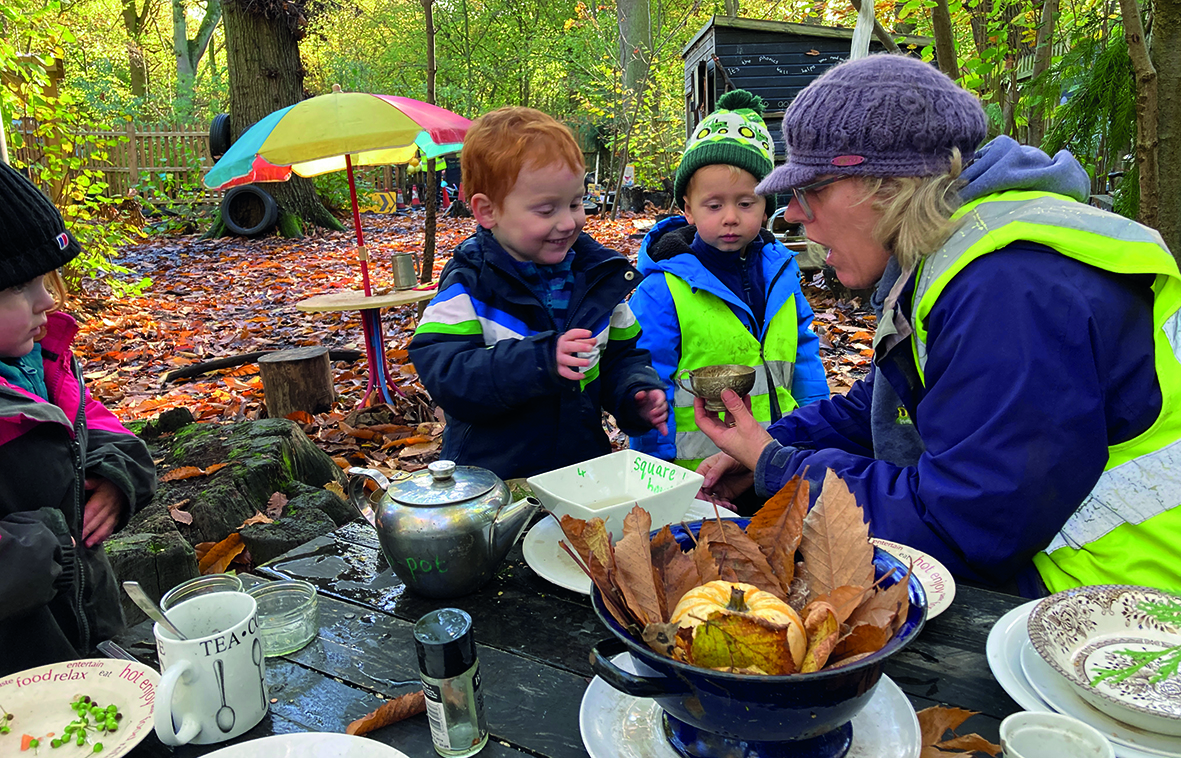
(445, 530)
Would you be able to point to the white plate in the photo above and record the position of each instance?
(309, 745)
(1003, 650)
(1063, 698)
(617, 725)
(548, 560)
(933, 575)
(39, 700)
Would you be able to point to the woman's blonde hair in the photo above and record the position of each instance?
(916, 211)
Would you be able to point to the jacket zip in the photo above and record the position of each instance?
(776, 411)
(79, 511)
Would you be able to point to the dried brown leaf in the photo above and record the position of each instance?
(275, 504)
(221, 554)
(937, 719)
(704, 560)
(970, 743)
(835, 544)
(636, 580)
(674, 567)
(844, 600)
(823, 634)
(637, 521)
(257, 518)
(214, 468)
(389, 712)
(184, 472)
(862, 638)
(778, 526)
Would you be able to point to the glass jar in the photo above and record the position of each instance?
(202, 585)
(288, 615)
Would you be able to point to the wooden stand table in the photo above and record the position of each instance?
(370, 308)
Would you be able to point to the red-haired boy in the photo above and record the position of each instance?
(529, 339)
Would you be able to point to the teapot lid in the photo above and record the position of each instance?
(443, 483)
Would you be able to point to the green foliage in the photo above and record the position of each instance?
(1100, 109)
(333, 188)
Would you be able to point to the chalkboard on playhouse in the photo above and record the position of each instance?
(772, 59)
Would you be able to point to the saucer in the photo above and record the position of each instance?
(310, 745)
(1004, 650)
(548, 560)
(617, 725)
(933, 575)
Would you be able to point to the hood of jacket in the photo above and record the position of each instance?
(667, 249)
(1005, 164)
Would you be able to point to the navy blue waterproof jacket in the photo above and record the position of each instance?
(486, 350)
(1036, 364)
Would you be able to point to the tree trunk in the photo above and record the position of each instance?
(880, 32)
(731, 8)
(1147, 113)
(432, 208)
(635, 43)
(134, 21)
(189, 52)
(1166, 59)
(949, 62)
(1043, 97)
(262, 55)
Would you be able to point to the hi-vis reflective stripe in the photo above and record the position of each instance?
(454, 311)
(1036, 217)
(623, 323)
(694, 445)
(781, 372)
(1132, 492)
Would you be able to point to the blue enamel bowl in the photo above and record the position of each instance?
(748, 708)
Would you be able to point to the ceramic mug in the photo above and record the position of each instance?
(1029, 734)
(214, 683)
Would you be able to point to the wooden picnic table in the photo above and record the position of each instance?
(533, 642)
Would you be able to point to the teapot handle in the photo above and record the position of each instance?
(679, 378)
(357, 495)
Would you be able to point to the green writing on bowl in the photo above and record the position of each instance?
(425, 566)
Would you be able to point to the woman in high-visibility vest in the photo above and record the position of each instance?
(1022, 421)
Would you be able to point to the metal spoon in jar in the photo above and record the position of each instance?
(148, 606)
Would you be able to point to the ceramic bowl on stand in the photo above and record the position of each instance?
(1084, 631)
(713, 713)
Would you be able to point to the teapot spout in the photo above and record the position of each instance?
(358, 498)
(510, 521)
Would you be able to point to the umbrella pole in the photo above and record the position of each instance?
(363, 254)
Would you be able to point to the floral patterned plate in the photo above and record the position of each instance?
(1084, 631)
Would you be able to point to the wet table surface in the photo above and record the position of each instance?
(533, 644)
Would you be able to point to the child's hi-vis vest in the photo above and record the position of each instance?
(710, 335)
(1128, 529)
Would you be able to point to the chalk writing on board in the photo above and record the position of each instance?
(744, 62)
(784, 71)
(768, 59)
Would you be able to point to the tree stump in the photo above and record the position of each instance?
(297, 380)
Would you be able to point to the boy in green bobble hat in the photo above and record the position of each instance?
(718, 288)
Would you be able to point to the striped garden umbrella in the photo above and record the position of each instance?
(335, 132)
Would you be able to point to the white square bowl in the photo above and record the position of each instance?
(609, 486)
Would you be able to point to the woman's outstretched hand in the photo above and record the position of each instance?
(742, 438)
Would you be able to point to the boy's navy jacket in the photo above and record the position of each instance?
(666, 249)
(57, 597)
(486, 350)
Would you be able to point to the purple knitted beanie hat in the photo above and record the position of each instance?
(882, 115)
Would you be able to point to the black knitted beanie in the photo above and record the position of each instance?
(33, 237)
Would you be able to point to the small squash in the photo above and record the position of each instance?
(697, 604)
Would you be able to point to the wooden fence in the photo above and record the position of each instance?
(164, 156)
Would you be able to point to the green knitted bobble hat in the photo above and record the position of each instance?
(733, 134)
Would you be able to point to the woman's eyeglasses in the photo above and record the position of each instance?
(801, 198)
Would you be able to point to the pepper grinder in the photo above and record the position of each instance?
(451, 681)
